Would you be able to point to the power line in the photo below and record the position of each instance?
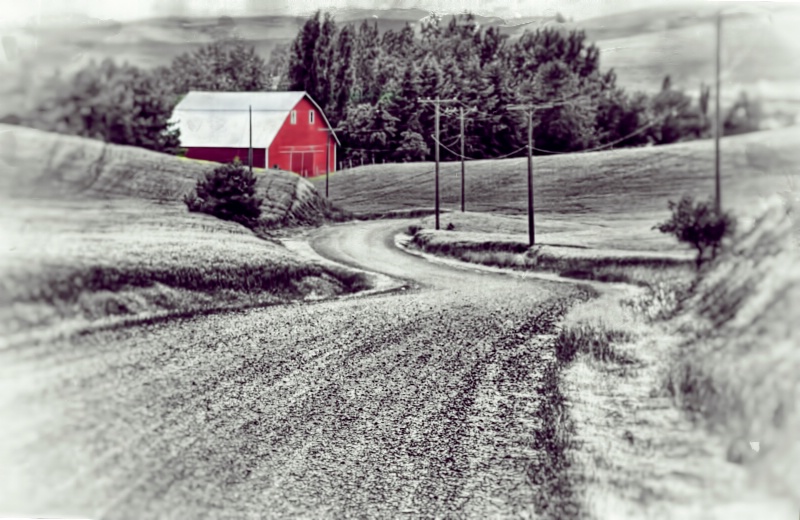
(610, 144)
(717, 130)
(479, 158)
(554, 152)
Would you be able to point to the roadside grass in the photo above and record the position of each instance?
(720, 344)
(588, 330)
(400, 213)
(641, 268)
(738, 366)
(551, 473)
(97, 232)
(724, 350)
(593, 329)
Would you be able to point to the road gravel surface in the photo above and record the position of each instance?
(417, 403)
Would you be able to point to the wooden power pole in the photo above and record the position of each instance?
(327, 161)
(250, 149)
(718, 125)
(328, 132)
(437, 103)
(528, 109)
(462, 159)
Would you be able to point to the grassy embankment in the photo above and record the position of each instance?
(510, 250)
(93, 231)
(641, 372)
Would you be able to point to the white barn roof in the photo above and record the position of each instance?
(220, 119)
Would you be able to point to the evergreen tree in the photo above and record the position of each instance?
(302, 68)
(404, 106)
(320, 87)
(372, 83)
(342, 66)
(492, 46)
(367, 53)
(496, 126)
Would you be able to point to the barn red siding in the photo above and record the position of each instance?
(301, 136)
(226, 155)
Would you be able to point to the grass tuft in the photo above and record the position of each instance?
(596, 342)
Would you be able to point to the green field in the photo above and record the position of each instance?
(93, 232)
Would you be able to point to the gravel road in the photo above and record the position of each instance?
(418, 403)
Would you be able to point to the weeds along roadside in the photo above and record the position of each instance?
(629, 268)
(733, 361)
(555, 483)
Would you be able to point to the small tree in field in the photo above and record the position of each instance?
(698, 224)
(228, 192)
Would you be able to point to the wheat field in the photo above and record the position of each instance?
(94, 231)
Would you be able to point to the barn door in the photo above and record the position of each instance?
(307, 157)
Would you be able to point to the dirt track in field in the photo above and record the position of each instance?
(419, 403)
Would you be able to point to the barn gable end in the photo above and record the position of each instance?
(215, 126)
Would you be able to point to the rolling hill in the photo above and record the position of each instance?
(94, 232)
(605, 199)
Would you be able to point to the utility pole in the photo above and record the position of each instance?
(529, 109)
(462, 155)
(462, 159)
(718, 125)
(327, 161)
(437, 103)
(250, 149)
(327, 155)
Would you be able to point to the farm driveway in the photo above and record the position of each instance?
(418, 403)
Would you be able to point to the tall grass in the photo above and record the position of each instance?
(738, 367)
(595, 328)
(554, 483)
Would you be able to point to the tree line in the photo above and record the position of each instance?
(369, 83)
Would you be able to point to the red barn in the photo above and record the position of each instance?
(289, 130)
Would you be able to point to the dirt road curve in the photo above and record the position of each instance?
(411, 404)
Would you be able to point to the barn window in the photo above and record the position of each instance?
(311, 117)
(294, 117)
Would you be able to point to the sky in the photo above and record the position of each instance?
(17, 12)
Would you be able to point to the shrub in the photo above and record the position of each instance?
(413, 229)
(228, 192)
(451, 227)
(698, 224)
